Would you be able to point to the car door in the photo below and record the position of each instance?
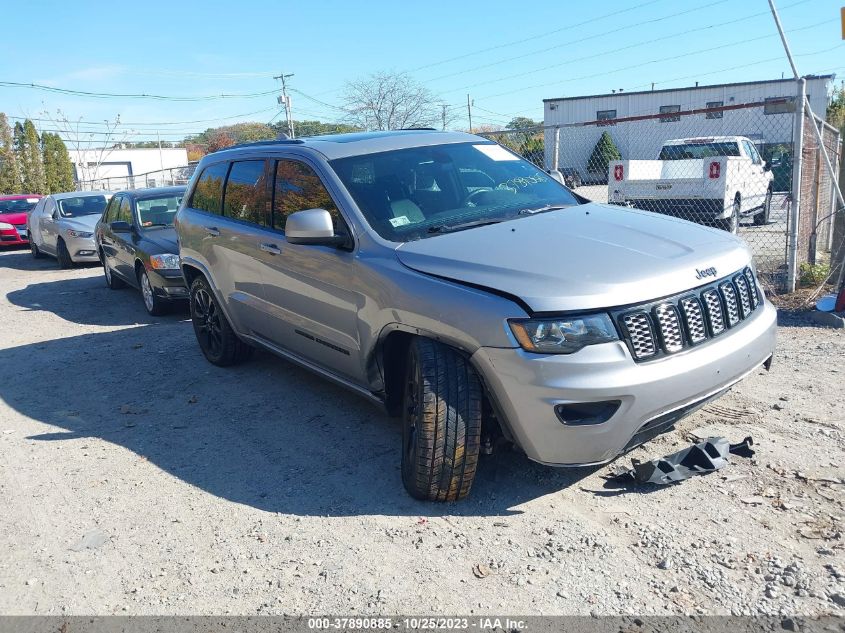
(234, 200)
(105, 236)
(33, 222)
(48, 225)
(124, 246)
(756, 180)
(309, 290)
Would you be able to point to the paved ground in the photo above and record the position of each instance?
(137, 478)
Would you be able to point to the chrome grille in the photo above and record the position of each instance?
(694, 319)
(731, 305)
(669, 326)
(640, 335)
(752, 288)
(715, 314)
(744, 294)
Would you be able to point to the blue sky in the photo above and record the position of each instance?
(508, 56)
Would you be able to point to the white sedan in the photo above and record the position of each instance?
(62, 226)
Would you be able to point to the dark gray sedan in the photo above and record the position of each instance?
(137, 246)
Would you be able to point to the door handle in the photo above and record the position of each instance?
(212, 231)
(271, 248)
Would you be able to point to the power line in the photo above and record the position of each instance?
(122, 123)
(647, 42)
(713, 72)
(641, 64)
(111, 95)
(569, 43)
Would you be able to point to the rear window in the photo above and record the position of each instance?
(687, 151)
(208, 194)
(18, 206)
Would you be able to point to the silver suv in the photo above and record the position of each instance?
(471, 294)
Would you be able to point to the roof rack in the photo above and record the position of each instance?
(278, 141)
(408, 129)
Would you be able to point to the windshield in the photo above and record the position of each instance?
(158, 211)
(414, 193)
(82, 205)
(698, 150)
(18, 206)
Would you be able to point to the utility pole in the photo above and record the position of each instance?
(469, 113)
(444, 106)
(284, 99)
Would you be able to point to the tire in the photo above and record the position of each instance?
(63, 255)
(762, 217)
(33, 249)
(731, 225)
(218, 342)
(156, 306)
(441, 422)
(115, 283)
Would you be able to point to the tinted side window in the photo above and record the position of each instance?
(247, 195)
(298, 187)
(124, 213)
(111, 210)
(208, 194)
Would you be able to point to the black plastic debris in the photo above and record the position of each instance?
(698, 459)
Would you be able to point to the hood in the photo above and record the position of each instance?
(160, 241)
(81, 223)
(13, 218)
(582, 258)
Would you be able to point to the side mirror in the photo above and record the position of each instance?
(767, 165)
(554, 173)
(119, 226)
(313, 227)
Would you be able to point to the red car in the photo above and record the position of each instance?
(13, 210)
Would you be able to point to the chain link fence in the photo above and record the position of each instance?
(158, 178)
(731, 167)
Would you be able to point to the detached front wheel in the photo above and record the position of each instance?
(441, 422)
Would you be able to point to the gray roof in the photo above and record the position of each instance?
(644, 92)
(356, 143)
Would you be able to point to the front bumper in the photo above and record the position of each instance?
(81, 249)
(168, 284)
(526, 387)
(14, 237)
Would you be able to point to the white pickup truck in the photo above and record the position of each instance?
(713, 180)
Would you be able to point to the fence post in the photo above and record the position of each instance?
(795, 204)
(556, 156)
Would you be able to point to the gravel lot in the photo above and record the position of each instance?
(137, 478)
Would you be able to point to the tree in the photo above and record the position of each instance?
(9, 175)
(836, 109)
(58, 168)
(389, 101)
(90, 149)
(315, 128)
(522, 123)
(28, 150)
(219, 140)
(604, 152)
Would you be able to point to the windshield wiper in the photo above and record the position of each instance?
(548, 207)
(449, 228)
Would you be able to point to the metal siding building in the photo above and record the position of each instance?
(643, 139)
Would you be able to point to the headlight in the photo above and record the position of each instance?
(164, 262)
(73, 233)
(563, 335)
(5, 226)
